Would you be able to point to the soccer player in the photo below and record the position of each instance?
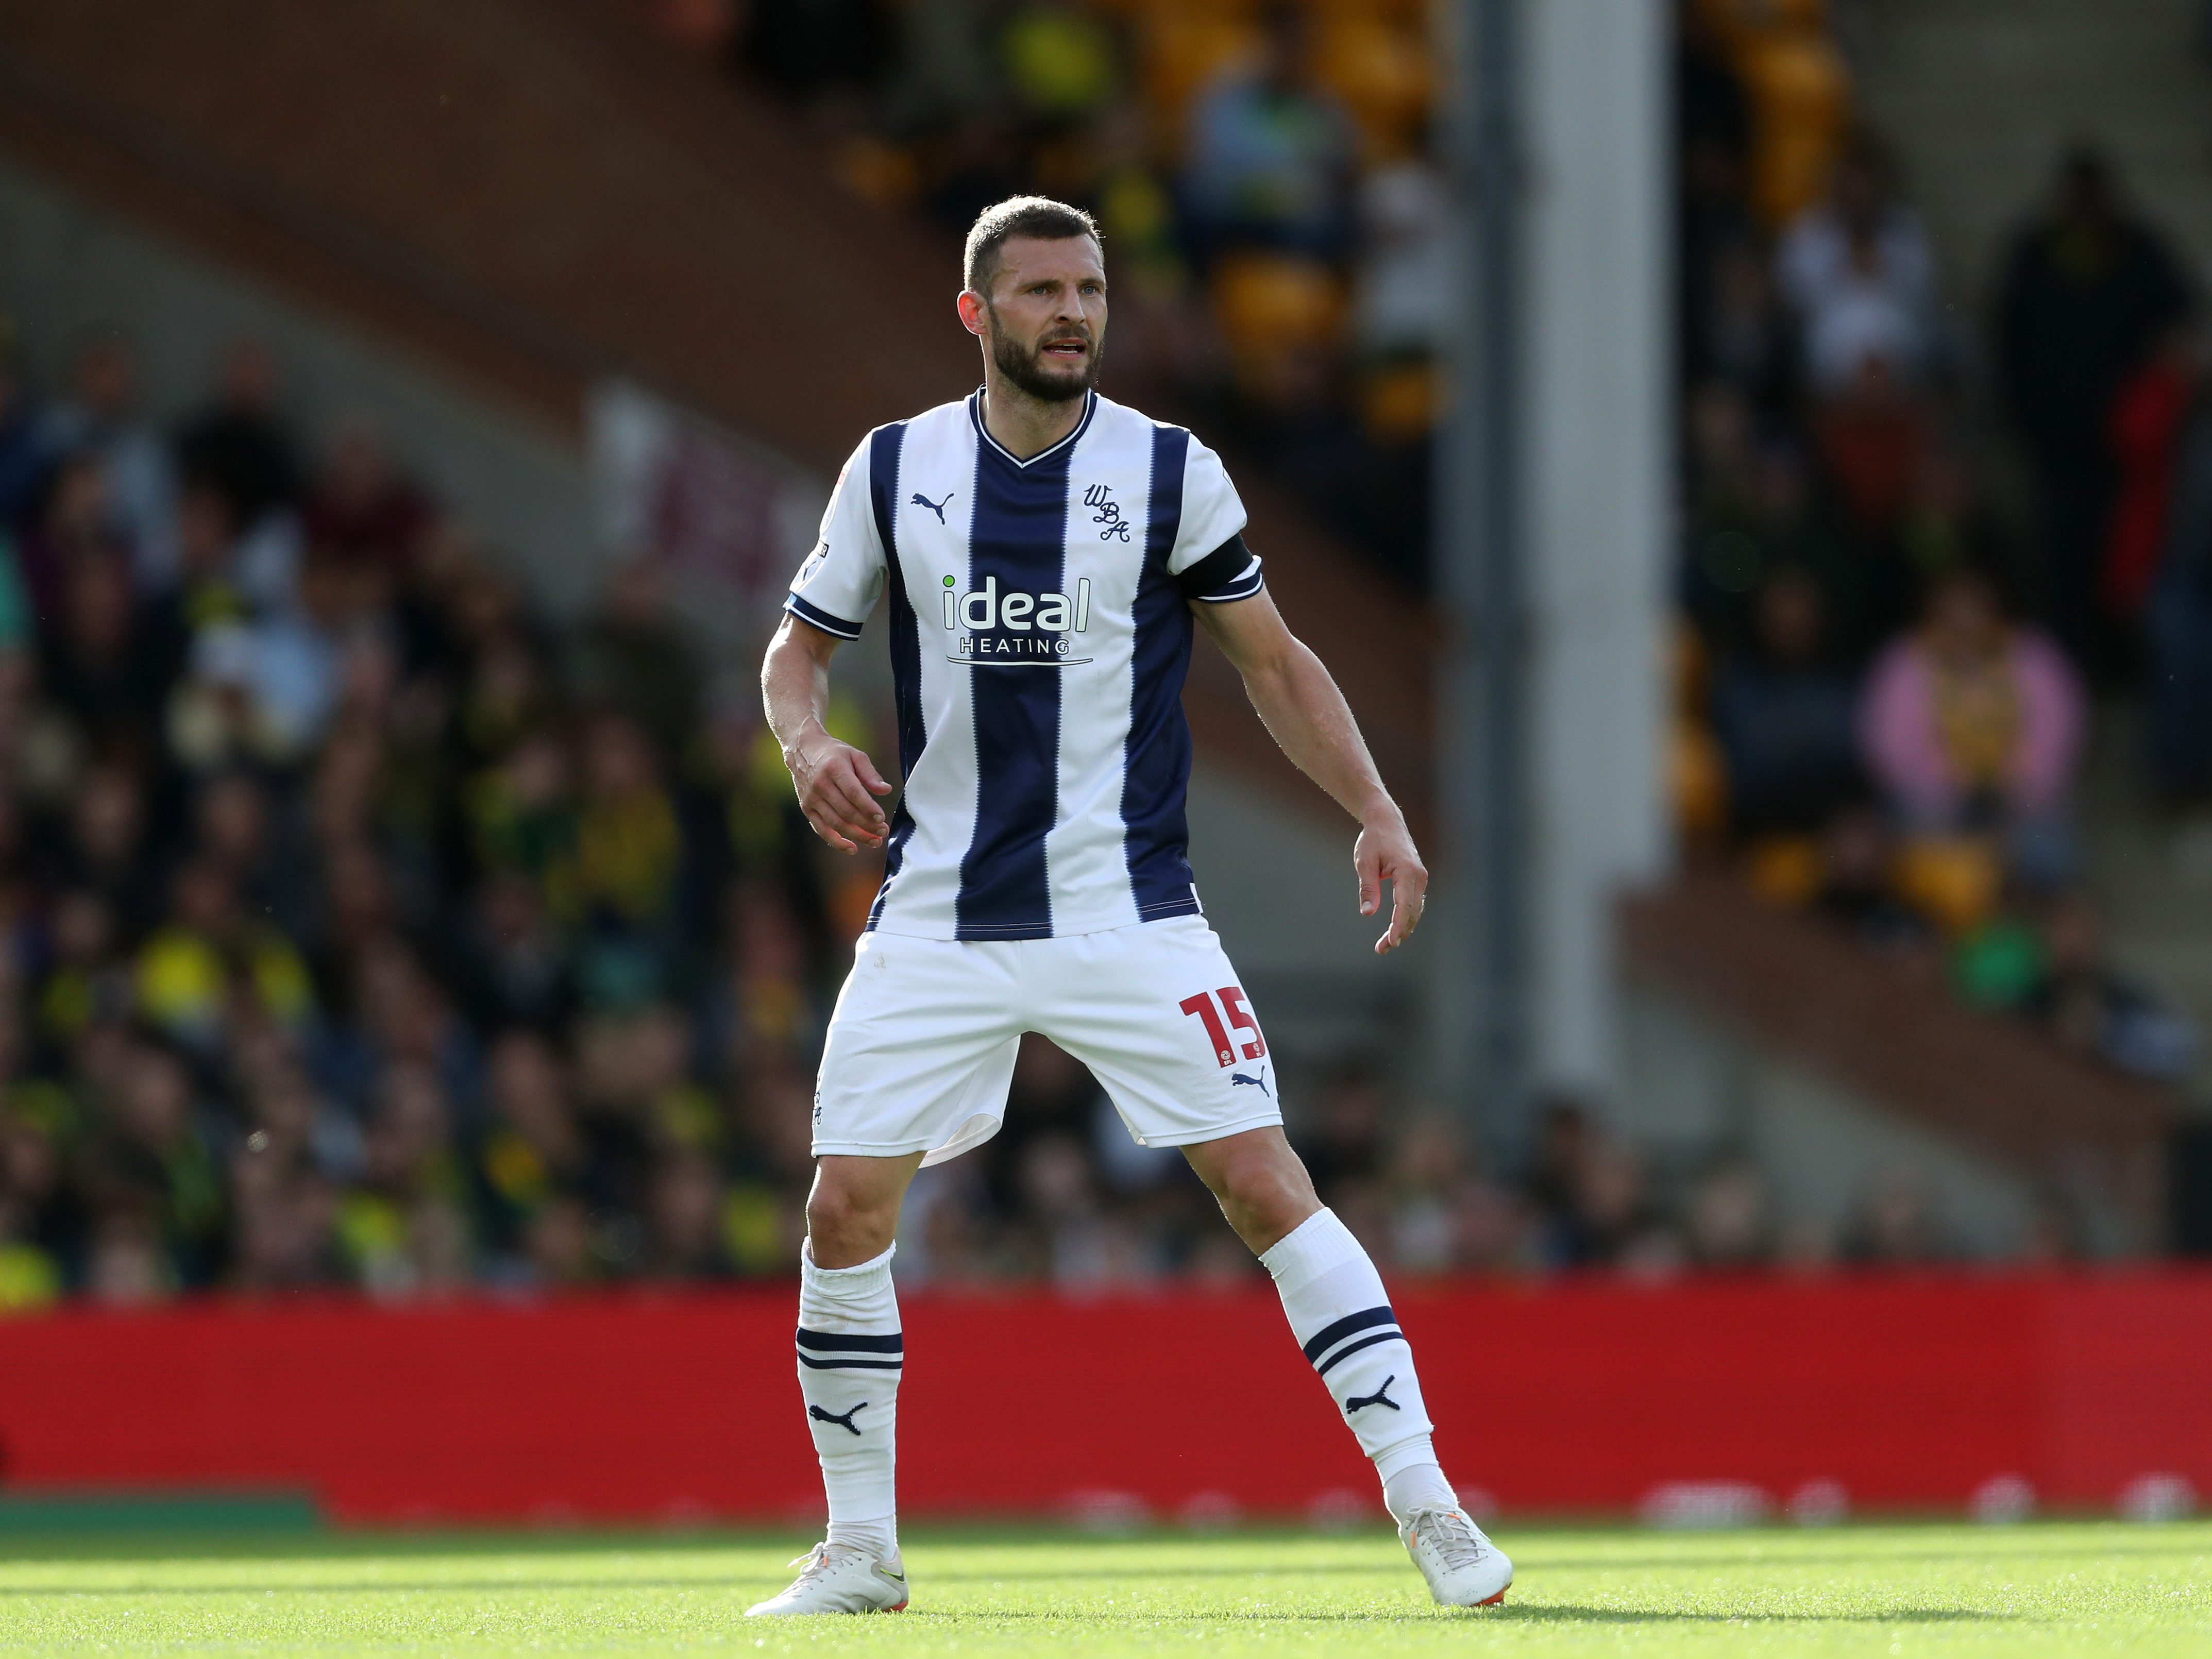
(1044, 551)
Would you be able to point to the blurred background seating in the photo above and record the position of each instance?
(401, 893)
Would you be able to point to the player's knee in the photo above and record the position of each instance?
(843, 1227)
(830, 1214)
(1267, 1192)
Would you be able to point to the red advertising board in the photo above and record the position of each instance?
(1910, 1392)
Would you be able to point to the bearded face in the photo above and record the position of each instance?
(1055, 366)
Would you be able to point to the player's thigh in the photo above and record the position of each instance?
(921, 1028)
(1157, 1014)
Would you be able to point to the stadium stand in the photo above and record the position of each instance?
(376, 922)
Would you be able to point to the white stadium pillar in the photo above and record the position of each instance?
(1553, 518)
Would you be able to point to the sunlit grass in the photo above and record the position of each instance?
(2051, 1589)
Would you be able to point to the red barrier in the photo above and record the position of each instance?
(1908, 1391)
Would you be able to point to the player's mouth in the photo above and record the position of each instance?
(1068, 349)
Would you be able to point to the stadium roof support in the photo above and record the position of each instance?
(1478, 1054)
(1552, 525)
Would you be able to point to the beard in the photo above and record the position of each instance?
(1027, 367)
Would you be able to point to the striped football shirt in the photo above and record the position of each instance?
(1040, 634)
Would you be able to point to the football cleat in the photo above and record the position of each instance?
(839, 1578)
(1464, 1569)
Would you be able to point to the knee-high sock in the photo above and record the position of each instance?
(1335, 1303)
(850, 1354)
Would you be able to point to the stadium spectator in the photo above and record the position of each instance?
(99, 423)
(2178, 620)
(1730, 1217)
(1858, 272)
(1401, 307)
(1272, 153)
(1876, 438)
(1784, 713)
(2150, 415)
(1897, 1221)
(24, 456)
(633, 657)
(1060, 63)
(813, 49)
(2088, 293)
(239, 446)
(1972, 723)
(1740, 333)
(2095, 1010)
(361, 513)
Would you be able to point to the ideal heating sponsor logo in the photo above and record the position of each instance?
(1015, 630)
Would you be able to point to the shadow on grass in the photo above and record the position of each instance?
(1573, 1612)
(736, 1583)
(1523, 1613)
(1555, 1613)
(1529, 1568)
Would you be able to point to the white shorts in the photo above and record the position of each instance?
(921, 1047)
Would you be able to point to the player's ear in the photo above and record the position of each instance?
(971, 311)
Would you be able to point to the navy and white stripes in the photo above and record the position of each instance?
(1334, 1344)
(822, 619)
(845, 1351)
(1040, 633)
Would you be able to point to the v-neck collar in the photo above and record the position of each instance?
(983, 433)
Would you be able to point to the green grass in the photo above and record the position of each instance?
(2057, 1589)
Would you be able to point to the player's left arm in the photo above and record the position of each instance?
(1303, 711)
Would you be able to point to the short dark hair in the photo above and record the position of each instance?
(1019, 216)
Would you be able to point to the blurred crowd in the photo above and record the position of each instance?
(359, 927)
(356, 926)
(1062, 1194)
(362, 926)
(1887, 665)
(1260, 168)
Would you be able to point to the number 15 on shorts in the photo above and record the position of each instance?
(1230, 1002)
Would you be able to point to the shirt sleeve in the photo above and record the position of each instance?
(1210, 560)
(843, 577)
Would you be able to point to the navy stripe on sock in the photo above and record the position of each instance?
(1325, 1340)
(894, 1343)
(1346, 1352)
(814, 1365)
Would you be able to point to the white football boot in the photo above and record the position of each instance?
(1464, 1569)
(839, 1578)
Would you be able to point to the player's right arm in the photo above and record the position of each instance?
(830, 598)
(836, 783)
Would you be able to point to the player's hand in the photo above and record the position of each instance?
(836, 782)
(1385, 852)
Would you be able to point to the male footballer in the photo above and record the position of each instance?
(1044, 551)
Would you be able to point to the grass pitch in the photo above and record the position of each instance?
(2050, 1589)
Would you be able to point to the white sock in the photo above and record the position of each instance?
(1417, 1484)
(1334, 1300)
(850, 1355)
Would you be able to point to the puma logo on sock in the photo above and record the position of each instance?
(1358, 1402)
(845, 1421)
